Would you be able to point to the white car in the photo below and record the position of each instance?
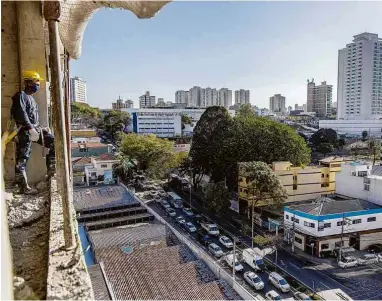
(188, 212)
(231, 261)
(171, 212)
(180, 220)
(165, 204)
(215, 250)
(278, 281)
(368, 259)
(190, 227)
(348, 262)
(254, 280)
(272, 295)
(225, 241)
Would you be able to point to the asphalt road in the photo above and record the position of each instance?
(239, 276)
(310, 277)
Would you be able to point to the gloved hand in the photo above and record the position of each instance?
(34, 135)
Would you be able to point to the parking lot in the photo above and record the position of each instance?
(215, 239)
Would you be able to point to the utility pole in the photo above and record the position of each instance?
(233, 260)
(293, 234)
(344, 221)
(253, 210)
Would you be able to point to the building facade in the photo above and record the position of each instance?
(181, 96)
(319, 99)
(89, 149)
(320, 226)
(77, 88)
(146, 100)
(359, 93)
(242, 97)
(354, 127)
(225, 98)
(277, 103)
(165, 123)
(360, 180)
(120, 104)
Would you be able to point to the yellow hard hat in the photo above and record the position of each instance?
(31, 75)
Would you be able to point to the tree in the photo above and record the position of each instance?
(325, 148)
(185, 119)
(123, 169)
(364, 135)
(324, 136)
(154, 155)
(82, 112)
(217, 197)
(263, 185)
(245, 110)
(209, 147)
(341, 142)
(114, 122)
(374, 147)
(262, 241)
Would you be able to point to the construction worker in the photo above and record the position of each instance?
(25, 114)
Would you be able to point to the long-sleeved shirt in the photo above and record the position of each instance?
(24, 110)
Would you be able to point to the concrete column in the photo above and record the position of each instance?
(31, 42)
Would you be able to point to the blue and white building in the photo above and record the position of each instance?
(321, 225)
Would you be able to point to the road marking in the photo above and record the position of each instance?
(325, 285)
(294, 266)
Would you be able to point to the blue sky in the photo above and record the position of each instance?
(266, 47)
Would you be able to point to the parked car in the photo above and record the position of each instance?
(301, 296)
(368, 259)
(165, 204)
(278, 281)
(347, 262)
(254, 280)
(171, 212)
(190, 227)
(215, 250)
(230, 261)
(272, 295)
(376, 248)
(188, 212)
(180, 220)
(225, 241)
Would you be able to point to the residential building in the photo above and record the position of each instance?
(101, 170)
(181, 96)
(359, 93)
(146, 100)
(89, 149)
(225, 97)
(194, 98)
(300, 108)
(85, 139)
(290, 109)
(160, 103)
(120, 104)
(77, 89)
(354, 127)
(277, 104)
(261, 111)
(360, 180)
(320, 226)
(319, 99)
(78, 166)
(83, 133)
(166, 122)
(300, 182)
(242, 97)
(211, 97)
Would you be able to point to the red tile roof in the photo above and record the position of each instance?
(106, 157)
(83, 161)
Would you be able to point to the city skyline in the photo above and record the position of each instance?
(266, 59)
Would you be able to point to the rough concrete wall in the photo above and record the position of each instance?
(23, 48)
(10, 75)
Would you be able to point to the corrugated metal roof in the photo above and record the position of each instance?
(98, 283)
(376, 170)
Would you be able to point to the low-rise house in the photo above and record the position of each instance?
(79, 165)
(90, 149)
(301, 182)
(101, 170)
(361, 180)
(322, 225)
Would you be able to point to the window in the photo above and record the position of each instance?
(294, 186)
(371, 219)
(362, 173)
(327, 225)
(307, 224)
(324, 246)
(287, 216)
(103, 165)
(366, 187)
(356, 221)
(298, 240)
(340, 223)
(296, 220)
(322, 175)
(83, 150)
(337, 244)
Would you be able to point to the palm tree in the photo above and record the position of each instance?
(124, 169)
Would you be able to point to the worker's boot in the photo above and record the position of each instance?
(24, 187)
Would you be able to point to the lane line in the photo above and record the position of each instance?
(325, 285)
(294, 266)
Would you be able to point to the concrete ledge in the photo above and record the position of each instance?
(68, 278)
